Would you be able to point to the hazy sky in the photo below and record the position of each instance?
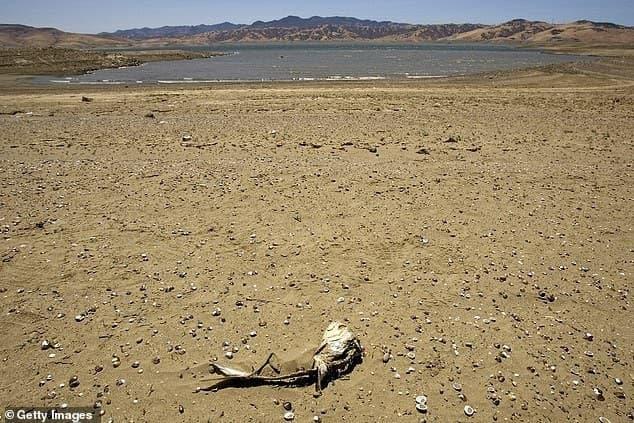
(108, 15)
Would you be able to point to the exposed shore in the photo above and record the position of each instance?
(58, 61)
(476, 232)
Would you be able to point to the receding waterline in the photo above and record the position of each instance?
(319, 62)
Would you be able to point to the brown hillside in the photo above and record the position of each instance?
(520, 30)
(27, 36)
(385, 32)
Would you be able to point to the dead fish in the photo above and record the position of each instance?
(338, 353)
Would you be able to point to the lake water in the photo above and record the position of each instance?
(311, 61)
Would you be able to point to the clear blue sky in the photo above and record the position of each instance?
(107, 15)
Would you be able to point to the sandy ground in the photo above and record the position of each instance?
(477, 230)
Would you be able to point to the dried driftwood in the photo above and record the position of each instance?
(339, 352)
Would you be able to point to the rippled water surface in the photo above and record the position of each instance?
(325, 61)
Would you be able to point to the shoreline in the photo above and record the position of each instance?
(63, 62)
(560, 74)
(131, 57)
(141, 57)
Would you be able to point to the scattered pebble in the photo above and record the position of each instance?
(73, 382)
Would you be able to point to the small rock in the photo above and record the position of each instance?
(598, 393)
(289, 416)
(73, 382)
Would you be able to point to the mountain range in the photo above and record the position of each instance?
(316, 28)
(170, 31)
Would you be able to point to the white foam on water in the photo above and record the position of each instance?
(425, 76)
(105, 82)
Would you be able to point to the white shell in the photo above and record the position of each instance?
(468, 410)
(422, 407)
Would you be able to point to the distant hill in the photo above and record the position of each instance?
(28, 36)
(318, 21)
(170, 31)
(336, 28)
(340, 28)
(294, 28)
(384, 32)
(521, 30)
